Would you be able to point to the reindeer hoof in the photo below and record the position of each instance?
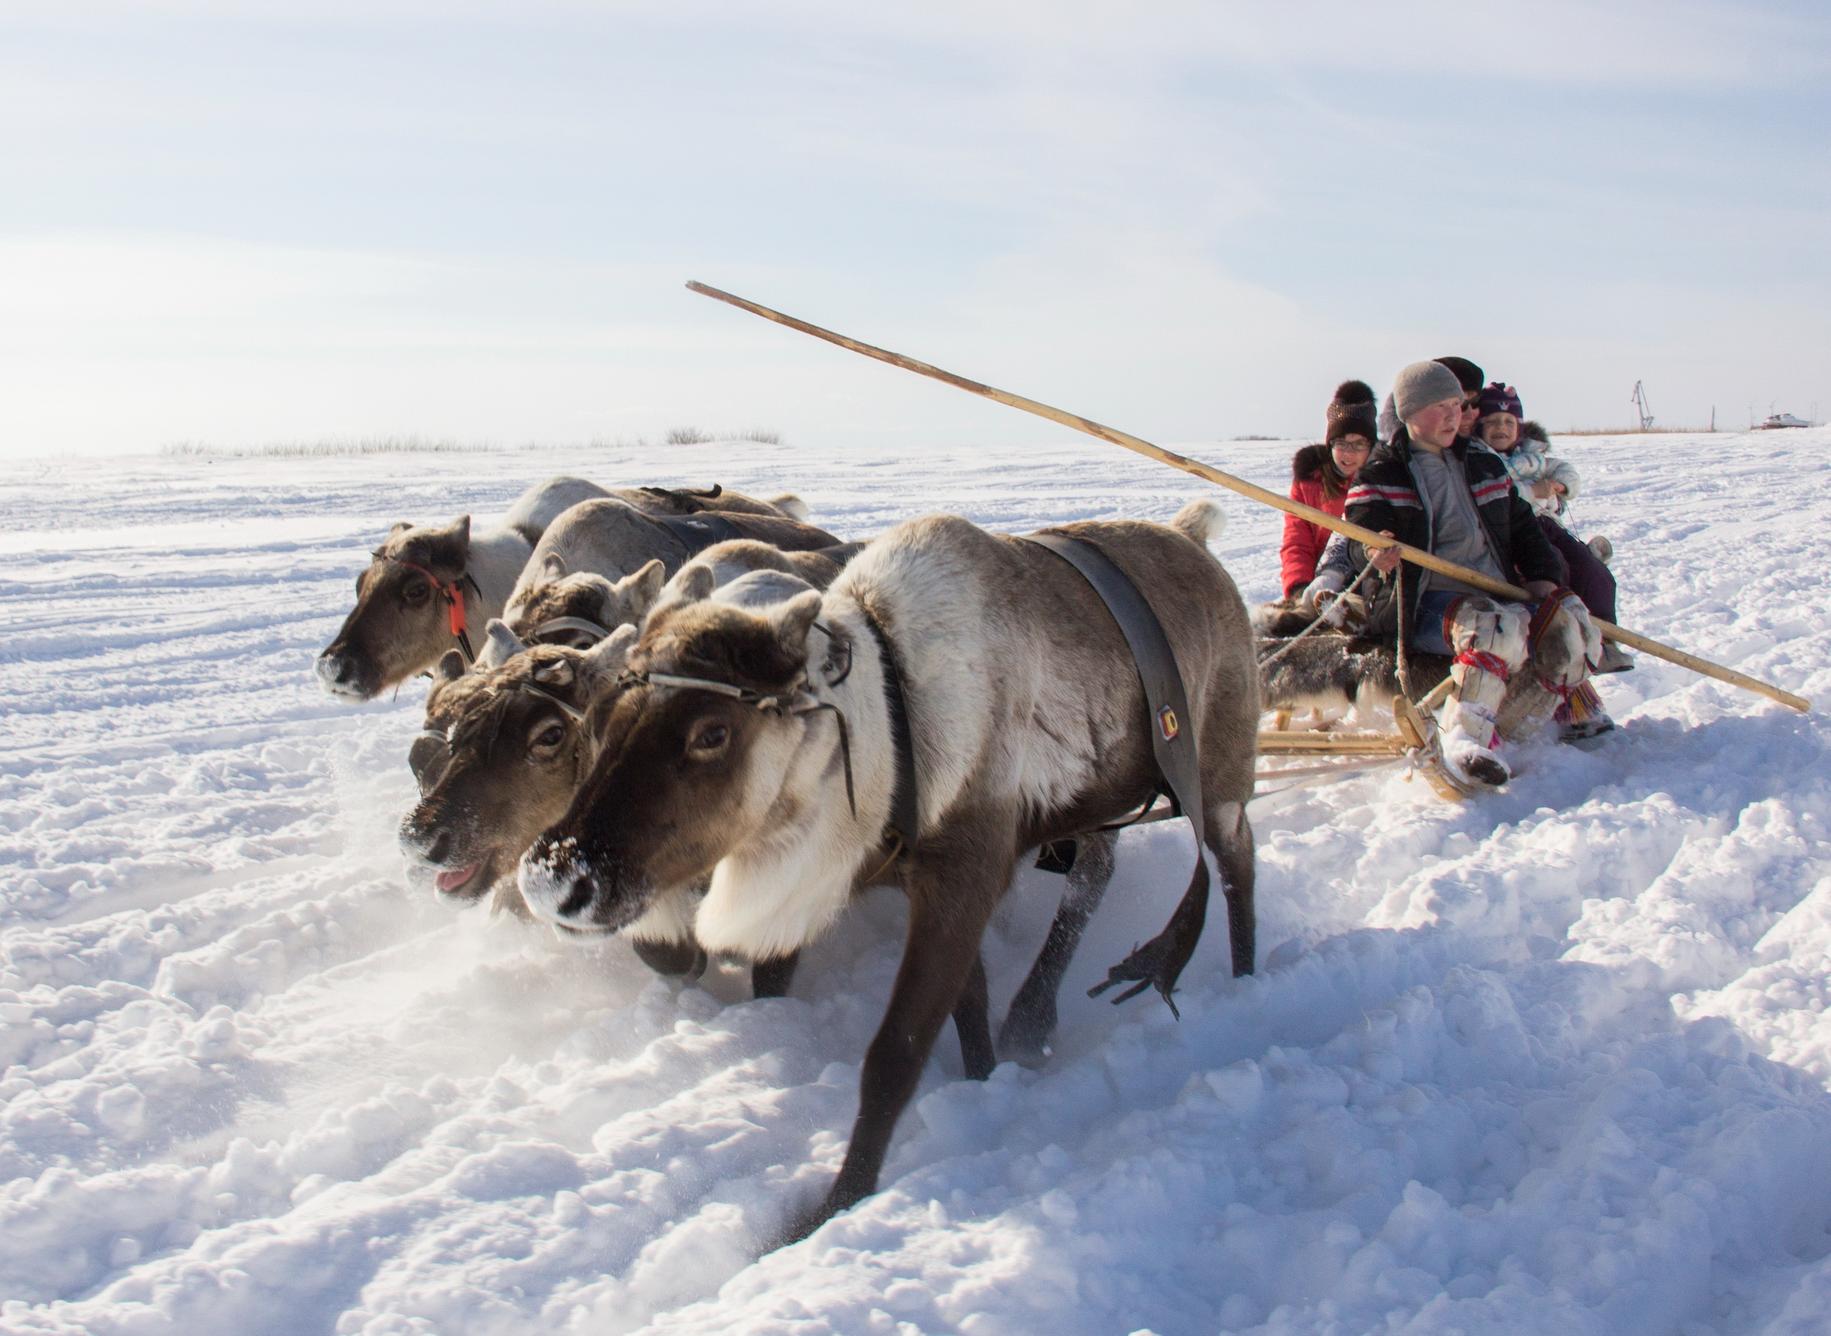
(683, 960)
(1149, 966)
(1024, 1037)
(810, 1218)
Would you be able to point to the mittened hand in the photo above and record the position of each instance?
(1592, 638)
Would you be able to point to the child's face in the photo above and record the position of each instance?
(1350, 452)
(1500, 431)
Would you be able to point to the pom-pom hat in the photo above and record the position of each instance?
(1352, 412)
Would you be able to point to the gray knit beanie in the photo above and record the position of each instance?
(1422, 384)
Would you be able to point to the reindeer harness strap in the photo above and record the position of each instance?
(583, 625)
(905, 799)
(905, 808)
(1160, 961)
(699, 532)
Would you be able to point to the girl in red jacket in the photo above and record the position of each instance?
(1321, 476)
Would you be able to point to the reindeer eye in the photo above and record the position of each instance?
(708, 740)
(547, 737)
(415, 591)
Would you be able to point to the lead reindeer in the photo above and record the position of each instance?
(427, 584)
(763, 750)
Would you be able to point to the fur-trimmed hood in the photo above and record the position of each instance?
(1532, 431)
(1306, 464)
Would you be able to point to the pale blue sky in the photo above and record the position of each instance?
(243, 222)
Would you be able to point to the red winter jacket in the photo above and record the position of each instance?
(1303, 541)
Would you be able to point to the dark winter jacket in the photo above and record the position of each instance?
(1386, 496)
(1303, 541)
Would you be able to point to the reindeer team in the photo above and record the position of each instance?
(697, 720)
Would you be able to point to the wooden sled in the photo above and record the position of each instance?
(1414, 738)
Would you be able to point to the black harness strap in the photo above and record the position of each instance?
(699, 532)
(905, 800)
(694, 493)
(1160, 961)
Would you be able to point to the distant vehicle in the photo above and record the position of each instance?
(1776, 420)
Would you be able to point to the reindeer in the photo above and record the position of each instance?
(979, 671)
(553, 607)
(610, 538)
(505, 746)
(426, 585)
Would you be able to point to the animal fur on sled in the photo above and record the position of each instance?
(1337, 669)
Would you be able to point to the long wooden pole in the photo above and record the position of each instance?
(1416, 556)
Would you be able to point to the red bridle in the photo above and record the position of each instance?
(453, 593)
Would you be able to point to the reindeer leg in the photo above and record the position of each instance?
(1230, 838)
(950, 900)
(770, 978)
(972, 1022)
(1160, 961)
(1031, 1020)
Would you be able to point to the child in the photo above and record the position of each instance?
(1321, 476)
(1548, 484)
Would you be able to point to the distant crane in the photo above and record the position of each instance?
(1639, 401)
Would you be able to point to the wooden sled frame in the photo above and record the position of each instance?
(1414, 737)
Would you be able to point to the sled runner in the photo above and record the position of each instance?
(1412, 742)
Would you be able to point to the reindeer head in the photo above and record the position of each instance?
(504, 750)
(401, 623)
(562, 609)
(696, 761)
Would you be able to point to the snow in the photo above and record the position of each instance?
(1555, 1060)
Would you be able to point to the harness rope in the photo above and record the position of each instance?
(1323, 619)
(446, 737)
(799, 701)
(1404, 659)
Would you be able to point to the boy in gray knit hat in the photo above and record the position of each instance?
(1433, 488)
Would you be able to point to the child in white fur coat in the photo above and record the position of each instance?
(1549, 483)
(1546, 481)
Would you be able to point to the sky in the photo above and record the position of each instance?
(249, 223)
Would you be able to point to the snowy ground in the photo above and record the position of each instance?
(1552, 1061)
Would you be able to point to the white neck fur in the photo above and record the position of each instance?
(495, 563)
(782, 889)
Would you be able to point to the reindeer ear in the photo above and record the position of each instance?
(502, 645)
(609, 655)
(554, 673)
(603, 594)
(553, 565)
(450, 546)
(638, 592)
(692, 583)
(792, 619)
(451, 666)
(400, 527)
